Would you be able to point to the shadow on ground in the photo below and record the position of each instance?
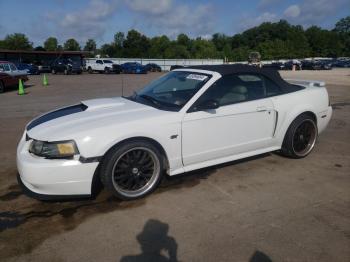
(31, 222)
(155, 244)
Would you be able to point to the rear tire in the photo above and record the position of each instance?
(300, 138)
(132, 170)
(90, 70)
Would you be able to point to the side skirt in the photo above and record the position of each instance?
(222, 160)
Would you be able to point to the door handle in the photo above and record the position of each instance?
(261, 109)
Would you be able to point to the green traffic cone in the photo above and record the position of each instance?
(20, 87)
(45, 82)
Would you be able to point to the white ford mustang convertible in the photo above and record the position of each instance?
(188, 119)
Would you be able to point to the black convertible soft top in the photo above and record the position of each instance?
(270, 73)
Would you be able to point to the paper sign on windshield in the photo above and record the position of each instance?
(197, 77)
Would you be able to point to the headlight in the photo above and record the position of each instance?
(61, 149)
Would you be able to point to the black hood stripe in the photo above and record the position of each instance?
(56, 114)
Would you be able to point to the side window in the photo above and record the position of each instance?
(99, 62)
(272, 89)
(6, 67)
(13, 67)
(235, 88)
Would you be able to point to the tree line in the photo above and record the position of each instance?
(279, 40)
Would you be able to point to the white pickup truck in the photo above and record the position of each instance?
(102, 66)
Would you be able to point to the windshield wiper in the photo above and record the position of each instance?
(151, 99)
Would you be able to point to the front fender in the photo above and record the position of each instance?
(97, 144)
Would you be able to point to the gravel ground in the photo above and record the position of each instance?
(265, 207)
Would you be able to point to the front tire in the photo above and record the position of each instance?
(132, 170)
(301, 137)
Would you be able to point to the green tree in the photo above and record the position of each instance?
(176, 51)
(343, 25)
(323, 42)
(51, 44)
(118, 44)
(223, 45)
(39, 48)
(241, 53)
(90, 45)
(136, 45)
(203, 49)
(71, 45)
(17, 41)
(158, 46)
(107, 50)
(183, 39)
(119, 39)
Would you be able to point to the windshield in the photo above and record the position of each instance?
(172, 91)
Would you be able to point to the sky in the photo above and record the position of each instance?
(101, 19)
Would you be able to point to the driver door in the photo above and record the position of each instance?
(243, 122)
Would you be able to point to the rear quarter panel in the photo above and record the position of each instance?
(291, 105)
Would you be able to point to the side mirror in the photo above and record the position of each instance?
(208, 104)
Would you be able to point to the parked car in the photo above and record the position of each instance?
(290, 64)
(10, 69)
(30, 69)
(9, 75)
(188, 119)
(43, 67)
(66, 66)
(326, 65)
(133, 68)
(151, 67)
(275, 65)
(341, 63)
(102, 66)
(316, 65)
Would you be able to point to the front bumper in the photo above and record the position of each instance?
(53, 177)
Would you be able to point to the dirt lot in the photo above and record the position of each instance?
(267, 207)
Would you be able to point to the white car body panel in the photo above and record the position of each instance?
(234, 127)
(190, 140)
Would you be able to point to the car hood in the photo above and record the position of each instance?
(90, 115)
